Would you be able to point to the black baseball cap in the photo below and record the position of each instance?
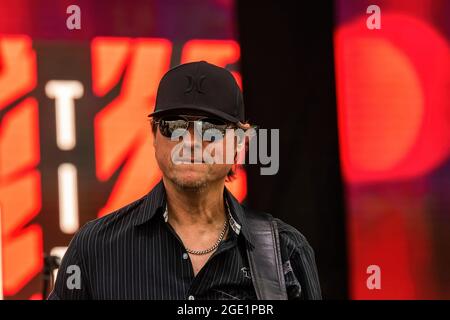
(200, 87)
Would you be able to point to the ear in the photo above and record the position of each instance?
(154, 138)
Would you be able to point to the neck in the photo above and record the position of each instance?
(188, 207)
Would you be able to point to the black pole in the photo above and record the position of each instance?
(288, 82)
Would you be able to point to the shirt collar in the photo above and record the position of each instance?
(238, 214)
(155, 200)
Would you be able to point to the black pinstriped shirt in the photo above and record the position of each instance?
(133, 253)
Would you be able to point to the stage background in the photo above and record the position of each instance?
(364, 171)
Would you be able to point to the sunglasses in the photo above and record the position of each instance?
(168, 125)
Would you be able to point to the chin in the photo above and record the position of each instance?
(190, 176)
(190, 184)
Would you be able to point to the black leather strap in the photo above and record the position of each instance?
(265, 257)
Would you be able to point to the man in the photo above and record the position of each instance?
(189, 237)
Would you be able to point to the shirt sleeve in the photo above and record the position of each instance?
(299, 265)
(302, 262)
(70, 281)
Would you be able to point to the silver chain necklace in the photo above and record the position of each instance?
(219, 240)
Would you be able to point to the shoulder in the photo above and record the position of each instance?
(290, 237)
(110, 223)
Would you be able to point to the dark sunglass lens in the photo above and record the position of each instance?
(167, 126)
(211, 126)
(214, 123)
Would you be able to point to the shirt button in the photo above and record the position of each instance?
(185, 256)
(191, 297)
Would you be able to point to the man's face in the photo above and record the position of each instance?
(189, 169)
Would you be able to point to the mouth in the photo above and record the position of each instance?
(190, 161)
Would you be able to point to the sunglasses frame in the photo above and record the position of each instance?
(192, 119)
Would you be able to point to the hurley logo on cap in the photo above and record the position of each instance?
(195, 84)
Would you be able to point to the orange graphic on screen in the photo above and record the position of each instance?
(122, 131)
(20, 191)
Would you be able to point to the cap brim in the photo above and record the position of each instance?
(186, 109)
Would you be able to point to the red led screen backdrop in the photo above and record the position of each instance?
(393, 89)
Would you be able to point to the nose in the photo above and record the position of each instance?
(194, 143)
